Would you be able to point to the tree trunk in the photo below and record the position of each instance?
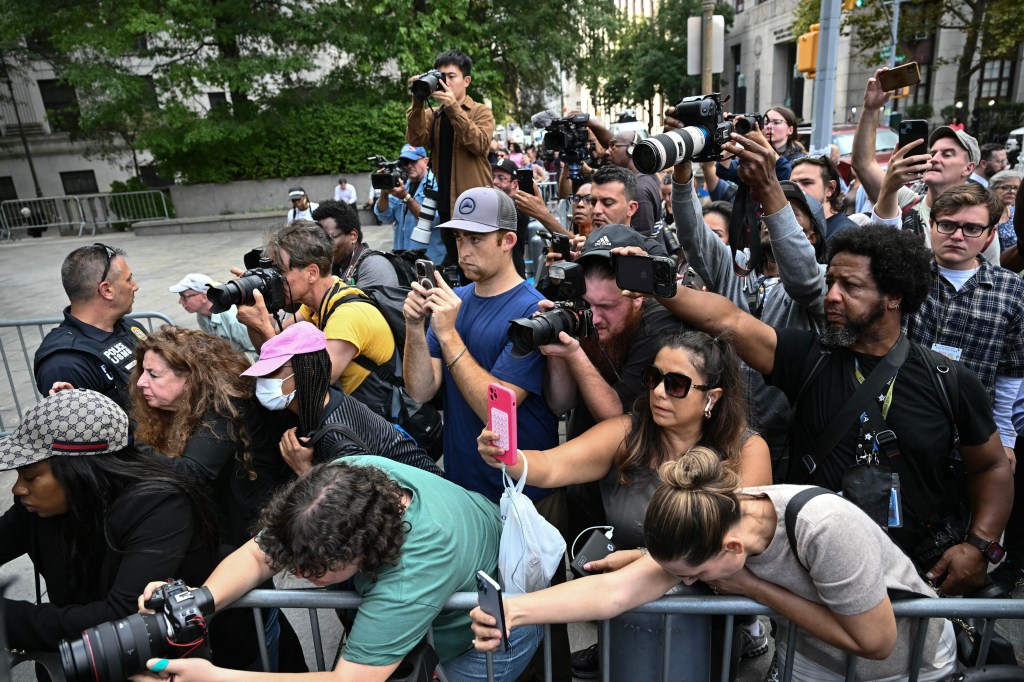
(965, 66)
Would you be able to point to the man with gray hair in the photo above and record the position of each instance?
(94, 347)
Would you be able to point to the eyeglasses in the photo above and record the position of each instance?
(676, 385)
(577, 198)
(111, 254)
(969, 229)
(183, 297)
(776, 122)
(1007, 188)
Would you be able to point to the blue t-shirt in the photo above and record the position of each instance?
(483, 325)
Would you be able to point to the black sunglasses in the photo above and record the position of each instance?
(676, 385)
(110, 257)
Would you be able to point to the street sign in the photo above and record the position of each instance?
(694, 36)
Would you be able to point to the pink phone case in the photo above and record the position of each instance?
(501, 411)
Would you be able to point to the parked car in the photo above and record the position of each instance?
(1014, 144)
(842, 135)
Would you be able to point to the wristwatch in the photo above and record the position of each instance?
(992, 550)
(407, 199)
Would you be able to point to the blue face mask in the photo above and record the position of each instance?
(270, 394)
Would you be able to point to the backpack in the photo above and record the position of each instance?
(390, 301)
(404, 263)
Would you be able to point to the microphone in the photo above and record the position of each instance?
(543, 119)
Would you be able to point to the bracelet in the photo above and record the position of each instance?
(642, 550)
(457, 357)
(407, 199)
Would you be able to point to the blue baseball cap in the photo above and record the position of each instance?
(412, 153)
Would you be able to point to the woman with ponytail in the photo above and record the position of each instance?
(294, 374)
(701, 525)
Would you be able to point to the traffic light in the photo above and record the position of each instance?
(807, 52)
(849, 5)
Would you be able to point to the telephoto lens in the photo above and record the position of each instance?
(659, 152)
(428, 209)
(527, 333)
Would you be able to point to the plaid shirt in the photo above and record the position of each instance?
(985, 319)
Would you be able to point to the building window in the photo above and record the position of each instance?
(79, 182)
(739, 6)
(7, 190)
(61, 104)
(217, 100)
(996, 79)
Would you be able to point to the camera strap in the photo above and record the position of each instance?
(743, 230)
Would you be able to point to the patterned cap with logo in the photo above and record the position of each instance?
(68, 423)
(483, 209)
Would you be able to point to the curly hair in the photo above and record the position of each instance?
(696, 504)
(645, 445)
(900, 262)
(344, 215)
(212, 370)
(336, 514)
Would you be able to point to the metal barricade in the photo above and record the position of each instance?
(119, 209)
(667, 606)
(19, 340)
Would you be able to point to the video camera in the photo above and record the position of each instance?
(117, 649)
(389, 174)
(260, 273)
(705, 129)
(570, 137)
(571, 313)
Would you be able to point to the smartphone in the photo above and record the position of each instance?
(525, 177)
(653, 275)
(914, 129)
(425, 273)
(488, 594)
(900, 77)
(561, 245)
(596, 547)
(501, 411)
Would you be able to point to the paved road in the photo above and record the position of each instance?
(30, 282)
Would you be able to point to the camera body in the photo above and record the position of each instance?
(265, 277)
(570, 137)
(117, 649)
(389, 174)
(571, 314)
(744, 124)
(700, 139)
(427, 84)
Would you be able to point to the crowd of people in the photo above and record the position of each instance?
(867, 346)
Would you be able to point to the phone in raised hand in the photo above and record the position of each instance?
(501, 418)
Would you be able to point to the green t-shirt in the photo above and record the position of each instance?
(452, 534)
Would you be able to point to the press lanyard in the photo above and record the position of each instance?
(884, 402)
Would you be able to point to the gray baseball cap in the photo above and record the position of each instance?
(963, 139)
(483, 209)
(68, 423)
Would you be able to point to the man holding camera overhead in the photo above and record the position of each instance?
(458, 133)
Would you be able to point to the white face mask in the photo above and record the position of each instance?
(270, 394)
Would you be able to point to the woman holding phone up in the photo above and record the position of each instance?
(701, 525)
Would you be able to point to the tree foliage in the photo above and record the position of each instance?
(275, 57)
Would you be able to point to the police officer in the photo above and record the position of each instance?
(94, 347)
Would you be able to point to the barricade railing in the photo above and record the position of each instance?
(729, 606)
(19, 340)
(81, 211)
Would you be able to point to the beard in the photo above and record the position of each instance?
(844, 336)
(608, 356)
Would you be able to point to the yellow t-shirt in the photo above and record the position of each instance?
(359, 323)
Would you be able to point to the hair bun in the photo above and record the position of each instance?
(700, 468)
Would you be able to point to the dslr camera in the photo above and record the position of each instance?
(117, 649)
(389, 174)
(570, 137)
(571, 313)
(427, 84)
(260, 273)
(705, 131)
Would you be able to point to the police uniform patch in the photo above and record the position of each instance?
(139, 333)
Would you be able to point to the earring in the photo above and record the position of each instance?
(707, 408)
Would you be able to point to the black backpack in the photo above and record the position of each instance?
(404, 263)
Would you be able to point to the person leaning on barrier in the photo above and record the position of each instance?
(702, 526)
(99, 519)
(293, 374)
(303, 253)
(407, 538)
(875, 276)
(92, 347)
(354, 262)
(191, 292)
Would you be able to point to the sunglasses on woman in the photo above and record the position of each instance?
(676, 385)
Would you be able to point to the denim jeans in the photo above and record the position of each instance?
(472, 665)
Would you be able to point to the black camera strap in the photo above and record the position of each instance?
(743, 230)
(838, 427)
